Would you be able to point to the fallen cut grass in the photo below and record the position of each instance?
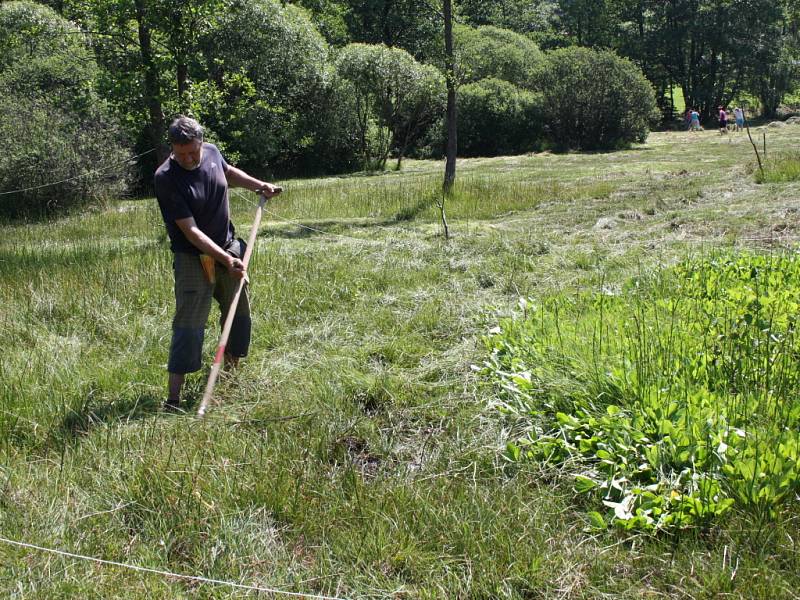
(356, 453)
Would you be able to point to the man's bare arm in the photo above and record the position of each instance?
(238, 178)
(207, 246)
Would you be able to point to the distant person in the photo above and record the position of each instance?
(738, 114)
(723, 121)
(192, 191)
(687, 119)
(695, 121)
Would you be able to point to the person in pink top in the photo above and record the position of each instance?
(723, 120)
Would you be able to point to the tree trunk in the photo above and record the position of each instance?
(450, 75)
(154, 130)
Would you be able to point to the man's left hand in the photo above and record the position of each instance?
(269, 190)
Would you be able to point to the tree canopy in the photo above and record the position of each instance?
(54, 127)
(302, 86)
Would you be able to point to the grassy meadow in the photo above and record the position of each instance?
(372, 445)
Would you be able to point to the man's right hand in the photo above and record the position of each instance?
(236, 268)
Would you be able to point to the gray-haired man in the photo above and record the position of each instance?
(192, 191)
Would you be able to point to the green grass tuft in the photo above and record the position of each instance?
(780, 169)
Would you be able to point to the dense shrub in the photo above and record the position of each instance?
(268, 86)
(493, 52)
(669, 403)
(594, 99)
(336, 146)
(496, 117)
(396, 99)
(53, 127)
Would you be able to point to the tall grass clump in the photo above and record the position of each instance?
(784, 167)
(671, 402)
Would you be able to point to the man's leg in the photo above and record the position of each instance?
(239, 340)
(175, 384)
(192, 305)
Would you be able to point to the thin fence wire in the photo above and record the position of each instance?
(163, 573)
(281, 219)
(619, 244)
(722, 241)
(81, 176)
(235, 418)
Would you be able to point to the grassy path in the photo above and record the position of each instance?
(355, 454)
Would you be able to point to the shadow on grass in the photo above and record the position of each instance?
(78, 423)
(309, 229)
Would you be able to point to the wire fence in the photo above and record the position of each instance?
(724, 240)
(92, 173)
(165, 573)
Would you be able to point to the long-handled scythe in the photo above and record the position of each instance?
(226, 329)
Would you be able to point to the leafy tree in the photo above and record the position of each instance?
(330, 18)
(396, 98)
(710, 48)
(496, 117)
(586, 22)
(53, 125)
(493, 52)
(778, 60)
(713, 49)
(594, 99)
(149, 53)
(716, 43)
(534, 17)
(776, 79)
(407, 24)
(268, 83)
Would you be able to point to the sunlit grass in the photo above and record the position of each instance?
(672, 401)
(355, 453)
(782, 168)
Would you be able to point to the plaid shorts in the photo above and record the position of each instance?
(193, 294)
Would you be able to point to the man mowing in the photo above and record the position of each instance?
(192, 191)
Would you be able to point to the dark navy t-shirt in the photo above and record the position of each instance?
(201, 193)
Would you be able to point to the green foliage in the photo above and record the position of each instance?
(587, 22)
(780, 168)
(395, 98)
(44, 55)
(413, 25)
(267, 84)
(493, 52)
(496, 117)
(53, 126)
(713, 49)
(160, 57)
(594, 100)
(670, 403)
(524, 16)
(731, 35)
(330, 18)
(780, 74)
